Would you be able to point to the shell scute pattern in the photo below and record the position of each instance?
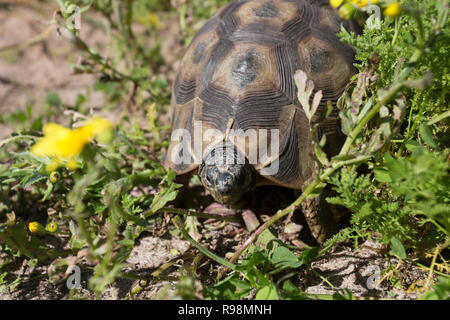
(241, 66)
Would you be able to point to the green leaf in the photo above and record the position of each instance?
(264, 238)
(382, 175)
(163, 197)
(283, 257)
(317, 190)
(75, 243)
(289, 287)
(397, 248)
(412, 145)
(364, 110)
(309, 254)
(321, 155)
(48, 191)
(427, 135)
(33, 179)
(345, 295)
(440, 291)
(267, 293)
(53, 99)
(244, 285)
(396, 169)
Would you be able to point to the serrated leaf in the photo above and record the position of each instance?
(33, 179)
(427, 135)
(305, 88)
(396, 170)
(321, 156)
(164, 197)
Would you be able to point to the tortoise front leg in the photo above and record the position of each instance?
(319, 216)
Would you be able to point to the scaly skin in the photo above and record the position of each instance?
(319, 216)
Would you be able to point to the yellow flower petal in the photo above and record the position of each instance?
(53, 165)
(47, 145)
(97, 125)
(393, 10)
(347, 11)
(58, 142)
(63, 145)
(154, 20)
(72, 164)
(35, 227)
(336, 3)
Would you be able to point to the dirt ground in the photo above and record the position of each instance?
(343, 268)
(30, 71)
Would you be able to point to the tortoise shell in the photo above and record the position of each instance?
(238, 73)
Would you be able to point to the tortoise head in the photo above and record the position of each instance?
(226, 173)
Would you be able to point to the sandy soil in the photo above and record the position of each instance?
(29, 72)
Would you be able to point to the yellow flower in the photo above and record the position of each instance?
(98, 127)
(347, 11)
(63, 145)
(52, 227)
(35, 227)
(393, 10)
(154, 21)
(54, 176)
(151, 20)
(363, 3)
(336, 3)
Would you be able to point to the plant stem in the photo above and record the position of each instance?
(8, 140)
(322, 277)
(439, 118)
(397, 28)
(360, 126)
(205, 215)
(177, 222)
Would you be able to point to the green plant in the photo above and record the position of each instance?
(391, 173)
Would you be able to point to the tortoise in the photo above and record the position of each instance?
(236, 77)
